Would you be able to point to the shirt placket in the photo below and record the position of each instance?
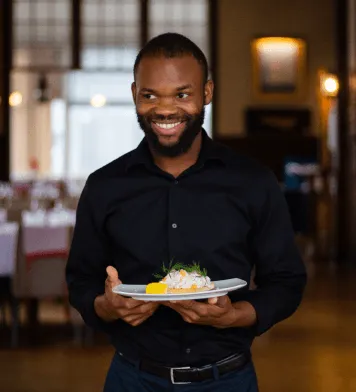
(175, 226)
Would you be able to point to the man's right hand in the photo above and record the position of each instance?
(111, 306)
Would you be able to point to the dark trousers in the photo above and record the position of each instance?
(124, 377)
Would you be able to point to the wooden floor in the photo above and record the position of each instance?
(314, 351)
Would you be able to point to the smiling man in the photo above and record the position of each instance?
(180, 195)
(170, 103)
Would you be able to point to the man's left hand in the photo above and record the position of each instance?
(217, 312)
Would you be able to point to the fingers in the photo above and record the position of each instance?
(213, 301)
(127, 307)
(147, 308)
(135, 320)
(221, 302)
(201, 313)
(200, 308)
(184, 308)
(113, 276)
(130, 303)
(130, 306)
(185, 304)
(141, 314)
(192, 317)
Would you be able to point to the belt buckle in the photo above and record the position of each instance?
(171, 370)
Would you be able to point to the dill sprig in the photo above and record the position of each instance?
(177, 266)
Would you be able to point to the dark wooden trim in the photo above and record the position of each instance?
(76, 33)
(214, 57)
(5, 69)
(343, 196)
(38, 70)
(143, 22)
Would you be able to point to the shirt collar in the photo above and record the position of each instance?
(210, 151)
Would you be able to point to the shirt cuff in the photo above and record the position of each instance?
(270, 307)
(89, 315)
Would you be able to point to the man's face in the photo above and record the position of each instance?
(170, 95)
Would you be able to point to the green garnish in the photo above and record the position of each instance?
(177, 266)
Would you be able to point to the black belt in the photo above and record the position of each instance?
(187, 375)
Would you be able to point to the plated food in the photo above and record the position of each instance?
(181, 279)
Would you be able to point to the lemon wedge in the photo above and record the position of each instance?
(156, 288)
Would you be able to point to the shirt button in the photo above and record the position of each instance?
(176, 182)
(174, 225)
(188, 350)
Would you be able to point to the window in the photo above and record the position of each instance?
(187, 17)
(98, 135)
(102, 121)
(42, 34)
(92, 117)
(111, 32)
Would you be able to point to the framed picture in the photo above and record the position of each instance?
(279, 69)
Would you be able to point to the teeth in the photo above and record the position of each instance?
(168, 126)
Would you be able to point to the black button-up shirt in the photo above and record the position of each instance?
(226, 212)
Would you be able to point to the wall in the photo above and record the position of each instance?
(240, 22)
(31, 125)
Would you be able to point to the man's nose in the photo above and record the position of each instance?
(166, 108)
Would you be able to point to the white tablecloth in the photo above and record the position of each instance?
(45, 240)
(52, 218)
(8, 248)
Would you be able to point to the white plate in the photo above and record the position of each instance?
(222, 287)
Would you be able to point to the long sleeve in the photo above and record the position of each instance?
(280, 271)
(86, 267)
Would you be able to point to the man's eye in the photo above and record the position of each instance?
(182, 95)
(149, 96)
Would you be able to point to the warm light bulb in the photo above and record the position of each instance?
(330, 85)
(98, 101)
(15, 98)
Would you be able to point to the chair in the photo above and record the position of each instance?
(44, 243)
(3, 215)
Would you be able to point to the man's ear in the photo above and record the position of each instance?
(134, 91)
(208, 92)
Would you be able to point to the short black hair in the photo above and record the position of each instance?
(172, 45)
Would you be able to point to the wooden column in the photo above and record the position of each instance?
(344, 203)
(144, 23)
(352, 124)
(76, 33)
(5, 68)
(214, 58)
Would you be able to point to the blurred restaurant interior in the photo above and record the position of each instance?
(285, 94)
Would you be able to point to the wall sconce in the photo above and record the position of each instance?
(329, 85)
(279, 69)
(15, 99)
(327, 91)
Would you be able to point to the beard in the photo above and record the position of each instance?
(193, 125)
